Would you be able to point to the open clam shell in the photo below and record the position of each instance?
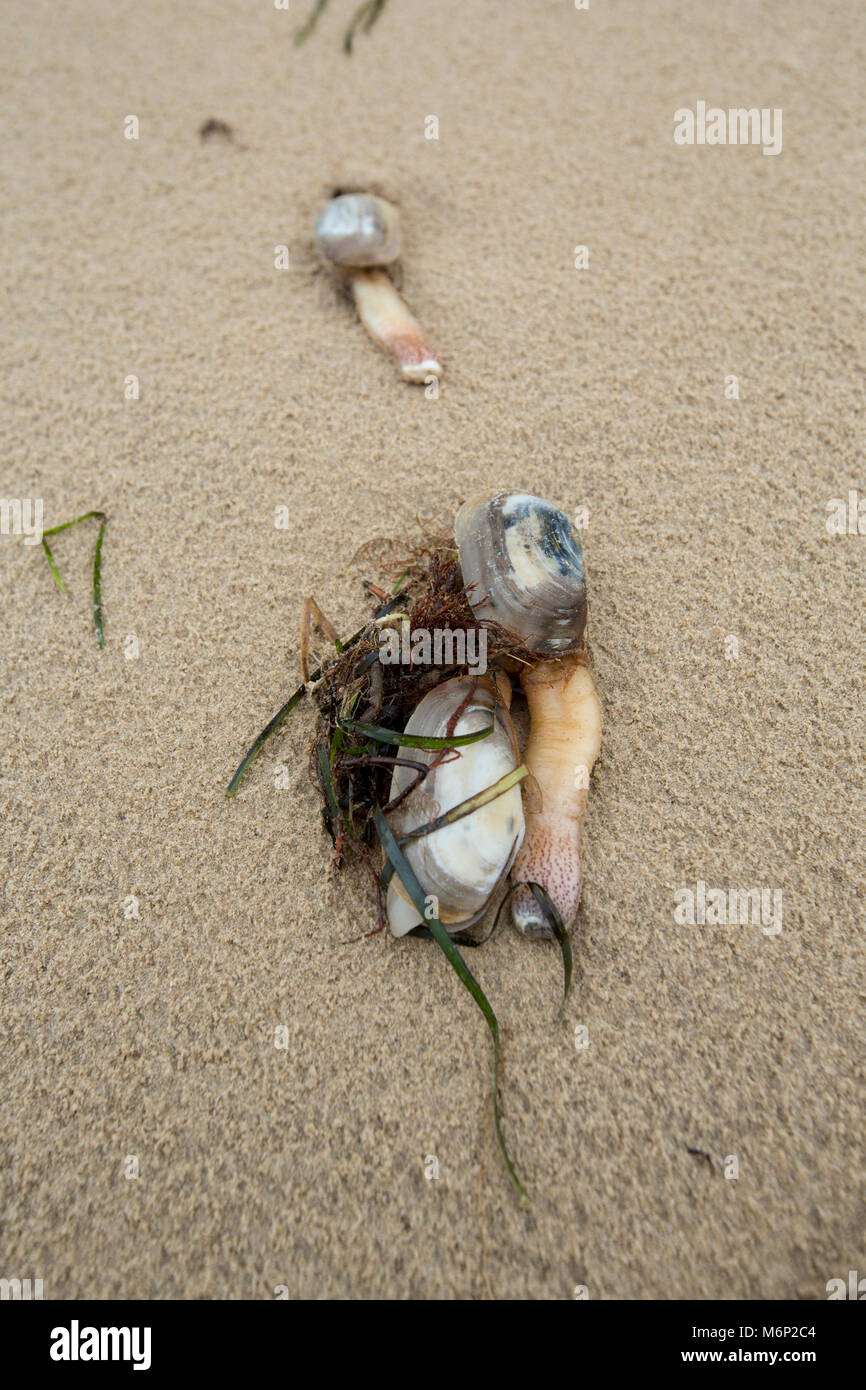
(522, 561)
(460, 864)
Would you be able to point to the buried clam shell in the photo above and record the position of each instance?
(460, 864)
(522, 562)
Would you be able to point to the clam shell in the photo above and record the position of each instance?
(524, 562)
(462, 863)
(358, 229)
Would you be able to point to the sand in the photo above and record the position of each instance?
(152, 1036)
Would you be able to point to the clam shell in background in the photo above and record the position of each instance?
(358, 229)
(524, 562)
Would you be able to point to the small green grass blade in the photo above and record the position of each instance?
(97, 565)
(256, 747)
(551, 912)
(310, 22)
(278, 718)
(54, 570)
(472, 803)
(463, 808)
(377, 734)
(97, 585)
(327, 776)
(65, 525)
(457, 963)
(365, 15)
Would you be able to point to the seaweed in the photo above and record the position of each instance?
(97, 565)
(363, 18)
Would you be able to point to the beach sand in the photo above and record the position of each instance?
(152, 1036)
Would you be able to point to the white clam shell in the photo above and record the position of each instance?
(462, 863)
(524, 562)
(358, 230)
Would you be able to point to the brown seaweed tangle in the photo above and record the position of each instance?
(352, 773)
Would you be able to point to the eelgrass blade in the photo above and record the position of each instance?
(310, 22)
(256, 747)
(377, 734)
(464, 938)
(327, 776)
(376, 7)
(416, 893)
(97, 565)
(65, 525)
(97, 585)
(472, 803)
(551, 912)
(54, 570)
(463, 808)
(553, 916)
(350, 759)
(367, 13)
(390, 606)
(460, 938)
(278, 718)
